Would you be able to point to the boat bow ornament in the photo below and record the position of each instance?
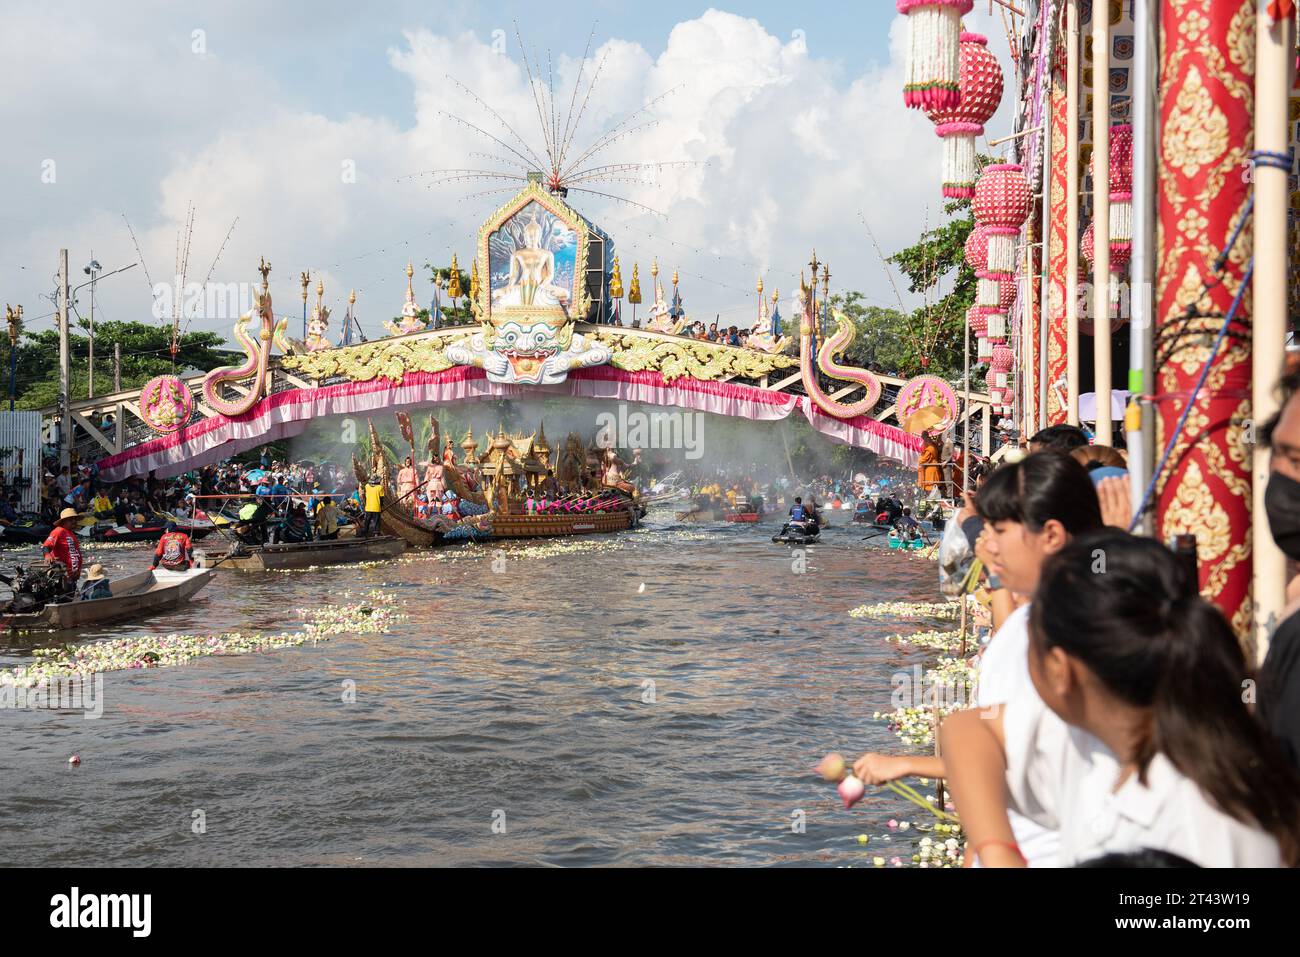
(258, 355)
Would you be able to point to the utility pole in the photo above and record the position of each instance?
(93, 271)
(65, 370)
(117, 367)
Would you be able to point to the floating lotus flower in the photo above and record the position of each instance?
(831, 767)
(907, 609)
(851, 791)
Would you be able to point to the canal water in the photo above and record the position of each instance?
(656, 697)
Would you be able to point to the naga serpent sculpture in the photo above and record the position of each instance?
(256, 365)
(825, 361)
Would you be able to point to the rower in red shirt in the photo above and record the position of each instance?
(62, 546)
(175, 551)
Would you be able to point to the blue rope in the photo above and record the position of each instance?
(1200, 383)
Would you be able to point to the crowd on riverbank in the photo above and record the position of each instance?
(1106, 722)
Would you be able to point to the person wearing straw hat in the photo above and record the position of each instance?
(97, 584)
(63, 546)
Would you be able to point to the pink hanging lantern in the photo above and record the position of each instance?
(958, 125)
(988, 290)
(1121, 192)
(997, 325)
(1118, 262)
(977, 250)
(1002, 204)
(1000, 366)
(933, 78)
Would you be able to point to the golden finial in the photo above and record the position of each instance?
(453, 287)
(352, 298)
(320, 290)
(674, 276)
(634, 293)
(265, 269)
(826, 278)
(410, 272)
(473, 280)
(760, 286)
(616, 282)
(776, 294)
(306, 281)
(654, 267)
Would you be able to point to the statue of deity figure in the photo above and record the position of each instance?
(532, 274)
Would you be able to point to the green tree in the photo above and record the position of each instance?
(936, 254)
(146, 352)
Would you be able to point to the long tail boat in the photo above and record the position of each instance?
(340, 551)
(134, 596)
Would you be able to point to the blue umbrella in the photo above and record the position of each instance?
(255, 475)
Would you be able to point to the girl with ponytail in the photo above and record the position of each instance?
(1031, 509)
(1138, 736)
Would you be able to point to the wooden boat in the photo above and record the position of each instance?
(133, 597)
(340, 551)
(743, 512)
(144, 533)
(554, 526)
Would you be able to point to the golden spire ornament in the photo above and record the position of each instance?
(634, 292)
(410, 272)
(616, 282)
(473, 281)
(453, 287)
(306, 281)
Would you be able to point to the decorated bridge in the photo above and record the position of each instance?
(547, 277)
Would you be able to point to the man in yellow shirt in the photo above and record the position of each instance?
(327, 520)
(373, 496)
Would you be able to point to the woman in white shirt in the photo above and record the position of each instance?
(1138, 736)
(1031, 510)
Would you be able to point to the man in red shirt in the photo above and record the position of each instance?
(62, 546)
(174, 551)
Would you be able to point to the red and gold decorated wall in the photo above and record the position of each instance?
(1206, 119)
(1057, 341)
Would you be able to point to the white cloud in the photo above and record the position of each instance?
(795, 147)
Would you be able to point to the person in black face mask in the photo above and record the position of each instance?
(1279, 678)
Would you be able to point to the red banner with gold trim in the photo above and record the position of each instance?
(1206, 106)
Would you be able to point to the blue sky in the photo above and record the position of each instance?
(792, 113)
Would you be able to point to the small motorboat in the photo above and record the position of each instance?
(150, 532)
(906, 540)
(135, 596)
(798, 533)
(27, 529)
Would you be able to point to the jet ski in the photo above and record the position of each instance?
(798, 533)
